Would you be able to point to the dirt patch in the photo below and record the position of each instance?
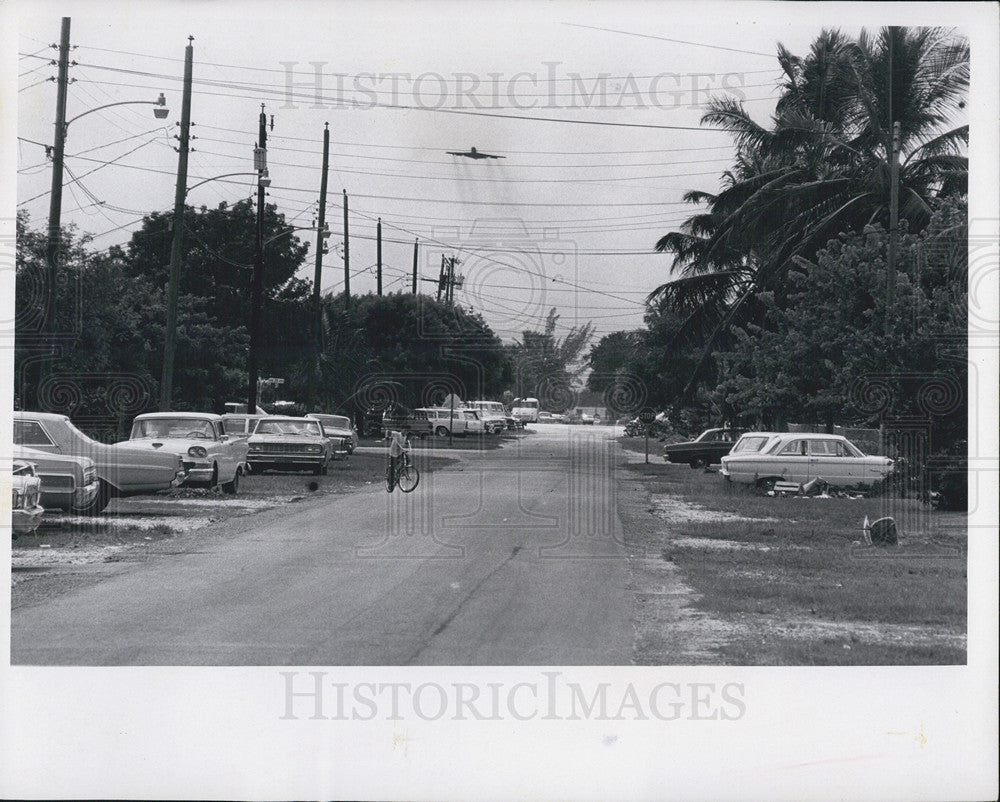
(676, 510)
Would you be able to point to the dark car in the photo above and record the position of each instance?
(397, 418)
(707, 448)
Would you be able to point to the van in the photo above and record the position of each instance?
(525, 410)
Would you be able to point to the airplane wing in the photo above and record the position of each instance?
(491, 156)
(455, 153)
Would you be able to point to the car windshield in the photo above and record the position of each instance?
(304, 428)
(179, 428)
(335, 422)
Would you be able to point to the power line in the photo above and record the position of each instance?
(675, 41)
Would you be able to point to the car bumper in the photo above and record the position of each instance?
(25, 521)
(82, 496)
(179, 478)
(197, 471)
(286, 459)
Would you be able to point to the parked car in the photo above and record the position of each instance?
(289, 443)
(67, 483)
(445, 421)
(586, 418)
(211, 457)
(514, 424)
(706, 449)
(550, 417)
(396, 418)
(122, 470)
(473, 423)
(493, 414)
(240, 424)
(338, 426)
(797, 457)
(26, 511)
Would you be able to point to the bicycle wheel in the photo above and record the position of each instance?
(390, 479)
(408, 478)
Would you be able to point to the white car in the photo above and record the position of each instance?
(801, 457)
(67, 483)
(211, 457)
(26, 512)
(493, 414)
(473, 423)
(445, 421)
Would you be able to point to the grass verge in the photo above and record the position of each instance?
(788, 582)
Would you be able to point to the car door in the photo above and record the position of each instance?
(792, 461)
(824, 462)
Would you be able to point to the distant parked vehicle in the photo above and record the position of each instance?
(706, 449)
(396, 418)
(122, 470)
(240, 424)
(26, 511)
(493, 414)
(550, 417)
(338, 426)
(525, 409)
(445, 421)
(796, 457)
(473, 423)
(289, 443)
(211, 457)
(67, 483)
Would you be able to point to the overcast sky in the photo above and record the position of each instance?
(568, 218)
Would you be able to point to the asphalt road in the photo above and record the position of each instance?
(509, 557)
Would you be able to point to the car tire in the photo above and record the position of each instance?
(97, 503)
(441, 431)
(696, 464)
(231, 488)
(214, 481)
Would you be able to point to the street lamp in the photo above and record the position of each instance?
(55, 199)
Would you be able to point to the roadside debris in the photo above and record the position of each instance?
(814, 488)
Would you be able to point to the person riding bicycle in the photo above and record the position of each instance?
(399, 446)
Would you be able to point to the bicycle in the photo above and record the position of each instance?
(401, 472)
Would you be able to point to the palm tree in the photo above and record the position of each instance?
(822, 168)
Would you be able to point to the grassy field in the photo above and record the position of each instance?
(788, 581)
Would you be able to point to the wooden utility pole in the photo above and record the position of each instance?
(378, 251)
(347, 259)
(441, 276)
(257, 282)
(53, 239)
(321, 235)
(174, 278)
(415, 243)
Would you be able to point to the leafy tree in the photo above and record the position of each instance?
(402, 347)
(820, 169)
(549, 367)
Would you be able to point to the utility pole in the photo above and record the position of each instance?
(173, 281)
(451, 281)
(318, 276)
(441, 276)
(53, 241)
(378, 251)
(347, 260)
(890, 289)
(257, 283)
(415, 243)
